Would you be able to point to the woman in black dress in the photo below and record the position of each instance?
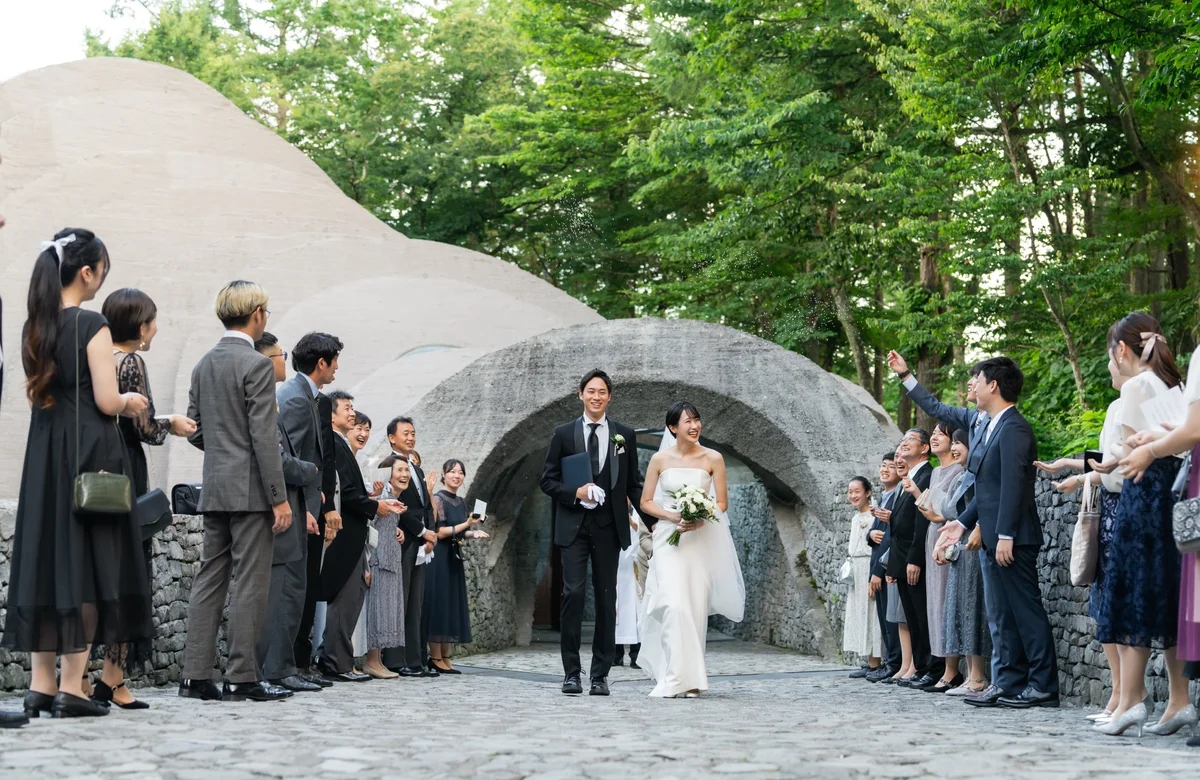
(76, 578)
(446, 615)
(133, 322)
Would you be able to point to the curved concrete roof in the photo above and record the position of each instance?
(188, 192)
(804, 431)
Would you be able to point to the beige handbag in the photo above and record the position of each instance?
(1085, 542)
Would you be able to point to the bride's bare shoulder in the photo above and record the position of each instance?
(713, 457)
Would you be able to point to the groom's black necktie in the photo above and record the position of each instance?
(594, 449)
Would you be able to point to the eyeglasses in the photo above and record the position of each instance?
(282, 354)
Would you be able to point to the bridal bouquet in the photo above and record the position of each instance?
(695, 506)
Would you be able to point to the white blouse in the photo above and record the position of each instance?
(1137, 391)
(1111, 442)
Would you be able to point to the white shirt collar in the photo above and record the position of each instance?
(311, 385)
(602, 422)
(912, 470)
(237, 334)
(992, 422)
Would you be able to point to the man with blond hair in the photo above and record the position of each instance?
(244, 500)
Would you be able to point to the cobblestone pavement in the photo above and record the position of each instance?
(769, 713)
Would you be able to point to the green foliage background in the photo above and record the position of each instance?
(950, 178)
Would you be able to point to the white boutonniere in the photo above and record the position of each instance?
(619, 443)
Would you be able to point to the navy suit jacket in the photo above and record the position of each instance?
(877, 550)
(909, 528)
(1004, 486)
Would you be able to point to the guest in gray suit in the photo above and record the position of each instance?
(244, 502)
(286, 600)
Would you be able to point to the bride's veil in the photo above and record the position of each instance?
(668, 440)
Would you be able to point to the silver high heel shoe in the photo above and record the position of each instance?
(1185, 717)
(1096, 717)
(1134, 716)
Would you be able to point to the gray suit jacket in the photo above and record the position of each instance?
(232, 400)
(298, 416)
(972, 421)
(299, 475)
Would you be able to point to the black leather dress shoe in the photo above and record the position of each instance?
(1030, 697)
(350, 676)
(13, 720)
(860, 673)
(633, 664)
(68, 706)
(206, 690)
(571, 685)
(599, 686)
(410, 671)
(431, 671)
(254, 691)
(297, 684)
(988, 697)
(924, 681)
(316, 679)
(37, 703)
(882, 674)
(619, 662)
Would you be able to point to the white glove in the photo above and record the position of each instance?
(596, 494)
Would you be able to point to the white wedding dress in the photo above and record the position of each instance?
(685, 584)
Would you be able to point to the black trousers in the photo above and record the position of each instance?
(312, 594)
(413, 653)
(1022, 640)
(599, 545)
(912, 598)
(893, 654)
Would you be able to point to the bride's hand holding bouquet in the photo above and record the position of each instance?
(694, 506)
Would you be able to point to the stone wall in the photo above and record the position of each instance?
(175, 563)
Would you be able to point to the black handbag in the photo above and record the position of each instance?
(185, 498)
(96, 492)
(153, 513)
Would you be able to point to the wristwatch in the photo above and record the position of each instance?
(907, 373)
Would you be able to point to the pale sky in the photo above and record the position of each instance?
(37, 33)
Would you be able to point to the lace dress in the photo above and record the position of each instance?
(860, 631)
(1139, 593)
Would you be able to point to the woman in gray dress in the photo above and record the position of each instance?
(964, 625)
(385, 598)
(940, 482)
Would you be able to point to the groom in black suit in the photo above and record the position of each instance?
(591, 521)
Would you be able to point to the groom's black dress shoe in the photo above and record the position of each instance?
(599, 686)
(860, 673)
(206, 690)
(572, 685)
(1030, 697)
(297, 684)
(254, 691)
(989, 697)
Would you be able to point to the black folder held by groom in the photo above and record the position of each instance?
(576, 470)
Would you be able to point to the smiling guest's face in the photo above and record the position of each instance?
(400, 477)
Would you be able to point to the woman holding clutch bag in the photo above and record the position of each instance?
(940, 481)
(133, 321)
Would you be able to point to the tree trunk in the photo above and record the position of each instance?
(845, 315)
(927, 358)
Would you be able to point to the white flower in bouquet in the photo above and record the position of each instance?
(694, 506)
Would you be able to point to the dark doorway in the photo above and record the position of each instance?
(547, 598)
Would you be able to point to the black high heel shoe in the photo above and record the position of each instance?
(37, 703)
(67, 705)
(103, 694)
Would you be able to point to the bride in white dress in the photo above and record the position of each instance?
(701, 576)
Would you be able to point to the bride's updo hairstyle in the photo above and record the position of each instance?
(675, 414)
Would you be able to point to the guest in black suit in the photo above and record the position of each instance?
(315, 360)
(586, 529)
(344, 570)
(880, 539)
(906, 562)
(417, 524)
(1005, 511)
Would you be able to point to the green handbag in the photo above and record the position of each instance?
(97, 492)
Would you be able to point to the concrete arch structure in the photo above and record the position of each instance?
(188, 192)
(801, 430)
